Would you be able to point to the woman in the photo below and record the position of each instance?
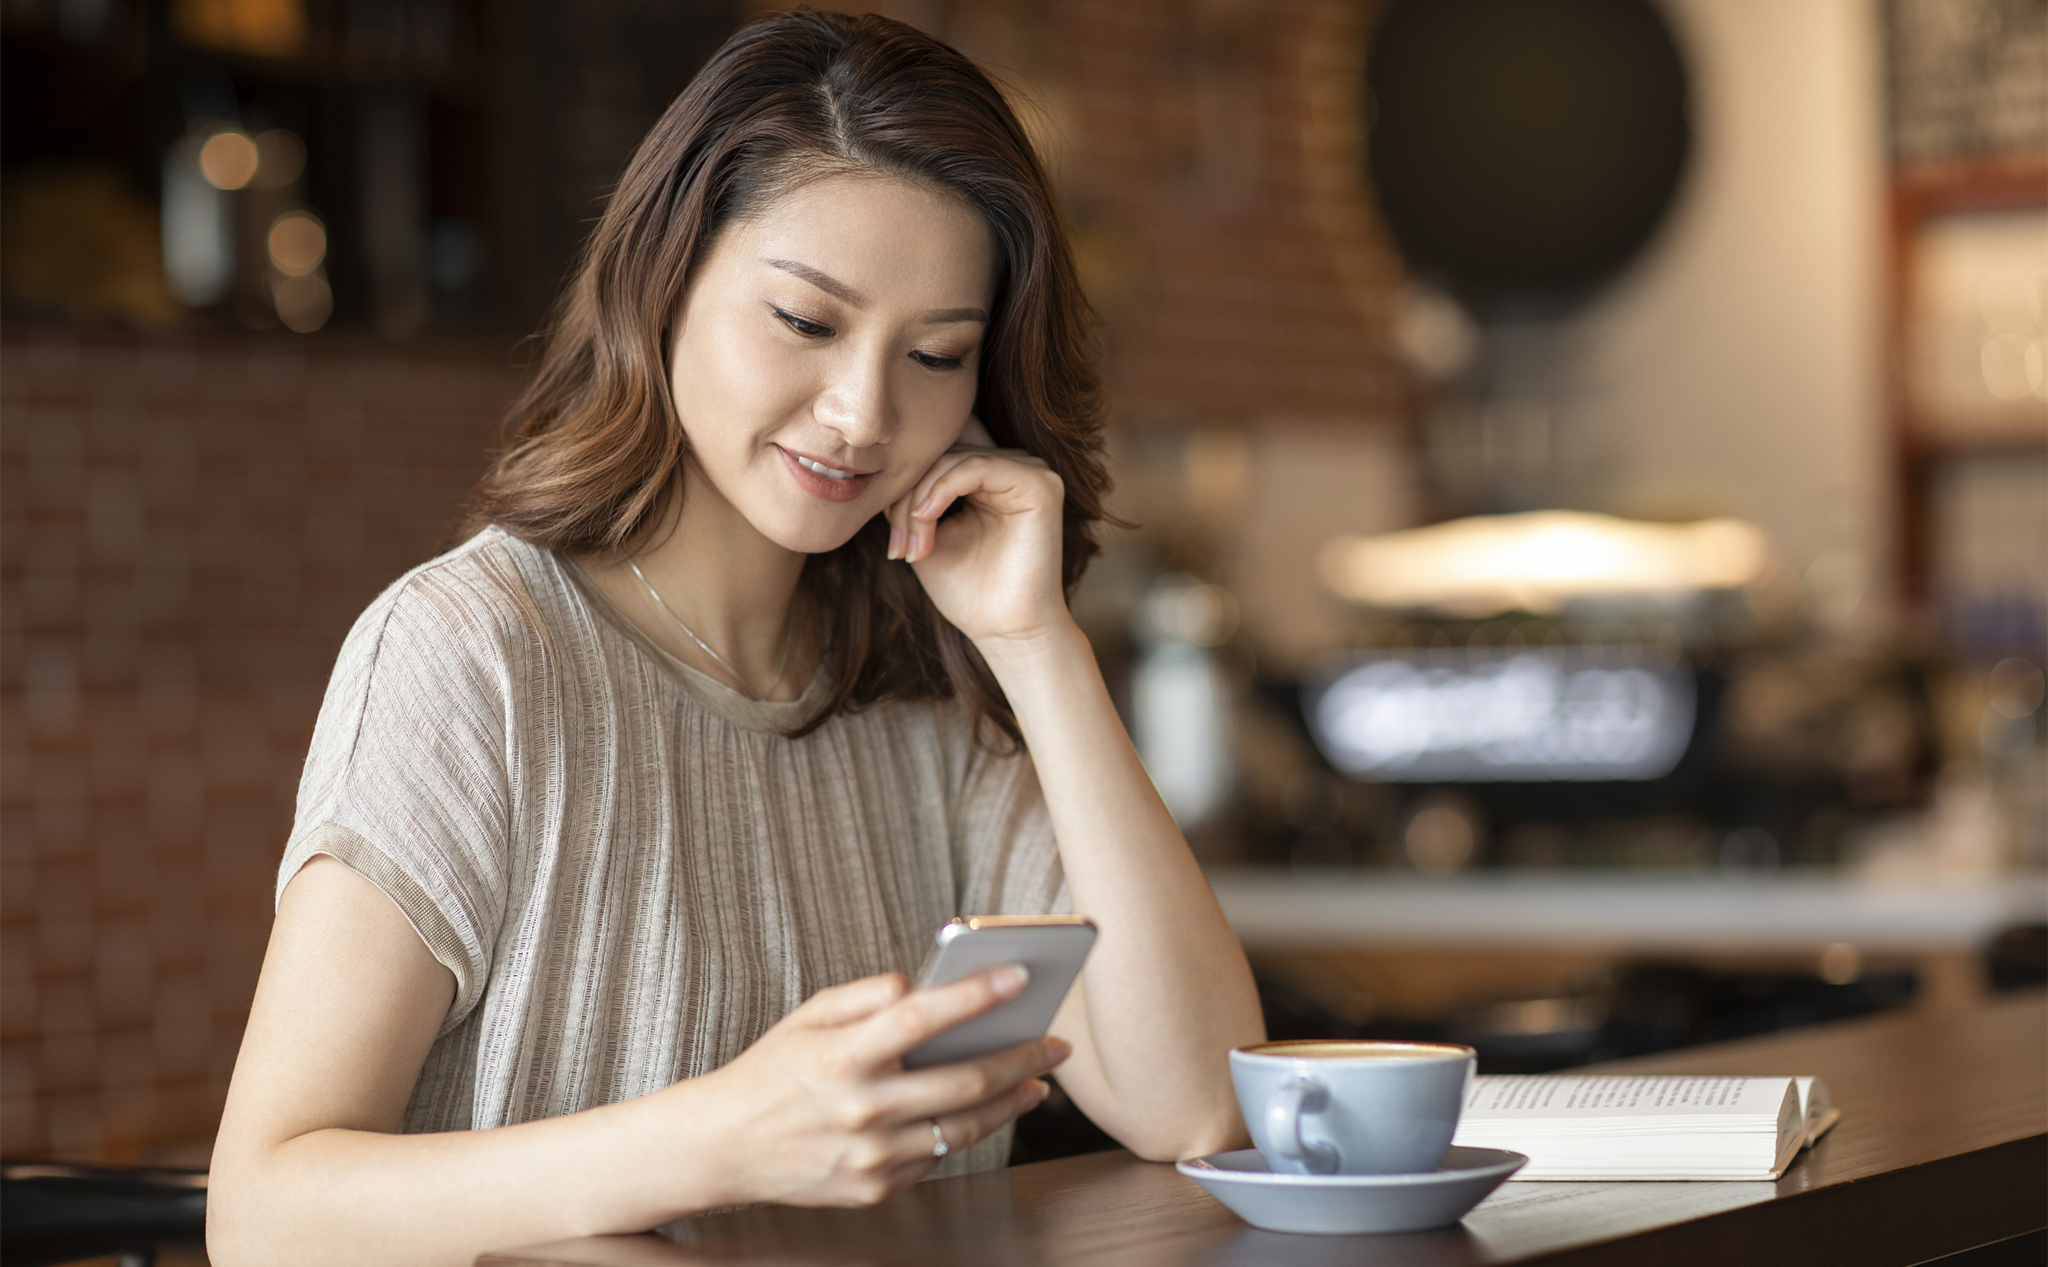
(624, 819)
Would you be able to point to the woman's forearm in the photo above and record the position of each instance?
(355, 1196)
(1167, 990)
(309, 1166)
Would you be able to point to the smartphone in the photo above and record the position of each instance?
(1052, 947)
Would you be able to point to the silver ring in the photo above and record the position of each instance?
(939, 1145)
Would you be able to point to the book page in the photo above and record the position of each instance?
(1579, 1096)
(1819, 1111)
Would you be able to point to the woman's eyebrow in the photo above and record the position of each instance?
(841, 291)
(822, 280)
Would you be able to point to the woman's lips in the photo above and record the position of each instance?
(823, 487)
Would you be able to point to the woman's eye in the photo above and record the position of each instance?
(931, 362)
(803, 325)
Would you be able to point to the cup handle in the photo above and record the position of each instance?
(1289, 1103)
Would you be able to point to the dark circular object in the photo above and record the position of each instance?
(1524, 150)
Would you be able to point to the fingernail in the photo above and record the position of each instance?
(1011, 980)
(895, 543)
(1058, 1049)
(1039, 1090)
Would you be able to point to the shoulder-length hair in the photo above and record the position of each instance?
(595, 444)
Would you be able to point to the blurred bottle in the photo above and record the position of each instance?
(2016, 754)
(200, 170)
(1180, 699)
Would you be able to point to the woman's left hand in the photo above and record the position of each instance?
(994, 568)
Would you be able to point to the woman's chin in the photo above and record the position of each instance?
(815, 538)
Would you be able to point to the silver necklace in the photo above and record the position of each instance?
(788, 636)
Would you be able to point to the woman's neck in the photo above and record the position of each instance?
(719, 579)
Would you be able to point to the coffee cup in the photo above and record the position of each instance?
(1355, 1107)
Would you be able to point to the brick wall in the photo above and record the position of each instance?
(187, 529)
(1214, 166)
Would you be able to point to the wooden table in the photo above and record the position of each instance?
(1942, 1149)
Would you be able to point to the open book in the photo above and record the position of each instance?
(1646, 1126)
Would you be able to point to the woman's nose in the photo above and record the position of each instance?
(857, 403)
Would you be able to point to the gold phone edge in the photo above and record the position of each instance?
(979, 922)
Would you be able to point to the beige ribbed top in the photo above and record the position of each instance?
(630, 870)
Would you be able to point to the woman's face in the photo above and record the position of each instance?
(828, 352)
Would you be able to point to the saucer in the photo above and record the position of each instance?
(1338, 1205)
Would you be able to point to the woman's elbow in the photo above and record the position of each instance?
(1194, 1136)
(229, 1242)
(236, 1231)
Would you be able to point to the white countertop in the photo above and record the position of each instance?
(1275, 909)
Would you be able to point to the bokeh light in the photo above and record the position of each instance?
(303, 303)
(298, 243)
(228, 160)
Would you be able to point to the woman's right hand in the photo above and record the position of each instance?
(820, 1111)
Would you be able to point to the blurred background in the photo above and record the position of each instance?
(1590, 458)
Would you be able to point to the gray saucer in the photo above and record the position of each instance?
(1342, 1204)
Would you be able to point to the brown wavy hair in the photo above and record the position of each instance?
(595, 445)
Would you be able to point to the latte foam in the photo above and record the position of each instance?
(1340, 1049)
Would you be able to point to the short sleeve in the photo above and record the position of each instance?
(406, 779)
(1011, 862)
